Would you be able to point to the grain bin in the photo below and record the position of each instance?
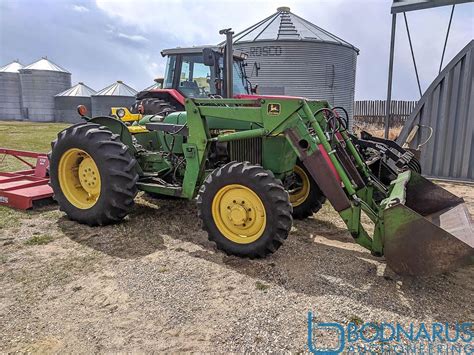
(40, 81)
(289, 55)
(158, 84)
(115, 95)
(10, 91)
(67, 101)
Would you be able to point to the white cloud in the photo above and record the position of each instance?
(80, 8)
(134, 38)
(128, 37)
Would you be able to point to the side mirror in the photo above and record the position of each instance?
(208, 57)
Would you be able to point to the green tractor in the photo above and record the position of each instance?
(252, 162)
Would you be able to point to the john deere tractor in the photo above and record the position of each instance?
(251, 162)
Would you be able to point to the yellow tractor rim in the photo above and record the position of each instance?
(79, 178)
(239, 214)
(300, 195)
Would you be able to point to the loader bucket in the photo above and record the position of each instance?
(428, 230)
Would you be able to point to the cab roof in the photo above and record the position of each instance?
(198, 50)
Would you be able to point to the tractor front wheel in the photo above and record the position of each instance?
(305, 195)
(245, 210)
(92, 174)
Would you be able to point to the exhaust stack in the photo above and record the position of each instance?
(228, 63)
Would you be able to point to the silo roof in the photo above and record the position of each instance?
(285, 25)
(79, 90)
(118, 88)
(12, 67)
(152, 87)
(45, 64)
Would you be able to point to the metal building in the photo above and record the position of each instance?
(40, 81)
(443, 121)
(10, 91)
(289, 55)
(117, 94)
(67, 101)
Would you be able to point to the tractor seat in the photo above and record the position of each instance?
(189, 88)
(170, 128)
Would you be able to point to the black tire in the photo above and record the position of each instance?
(272, 195)
(313, 202)
(116, 167)
(152, 106)
(414, 165)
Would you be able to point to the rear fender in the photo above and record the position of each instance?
(116, 127)
(119, 128)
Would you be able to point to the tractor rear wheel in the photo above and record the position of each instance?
(92, 174)
(305, 195)
(245, 210)
(152, 106)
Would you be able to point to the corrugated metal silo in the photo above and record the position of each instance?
(298, 58)
(115, 95)
(10, 92)
(67, 101)
(158, 84)
(40, 81)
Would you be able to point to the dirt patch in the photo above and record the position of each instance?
(155, 283)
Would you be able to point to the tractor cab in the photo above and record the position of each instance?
(196, 72)
(199, 72)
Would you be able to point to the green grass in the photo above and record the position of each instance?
(9, 217)
(31, 136)
(261, 286)
(39, 240)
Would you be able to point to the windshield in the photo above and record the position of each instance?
(238, 74)
(240, 82)
(195, 78)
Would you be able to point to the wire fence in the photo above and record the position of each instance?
(372, 112)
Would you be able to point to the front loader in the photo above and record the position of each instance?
(254, 163)
(238, 158)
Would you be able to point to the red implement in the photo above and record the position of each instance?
(19, 189)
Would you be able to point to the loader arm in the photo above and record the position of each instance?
(296, 119)
(319, 139)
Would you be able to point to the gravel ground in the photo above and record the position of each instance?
(154, 283)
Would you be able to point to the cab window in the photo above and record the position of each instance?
(169, 72)
(195, 77)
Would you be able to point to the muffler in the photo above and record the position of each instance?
(428, 230)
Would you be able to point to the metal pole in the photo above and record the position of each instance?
(390, 72)
(228, 63)
(446, 40)
(412, 54)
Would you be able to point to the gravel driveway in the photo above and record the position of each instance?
(154, 283)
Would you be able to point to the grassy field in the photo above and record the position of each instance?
(31, 136)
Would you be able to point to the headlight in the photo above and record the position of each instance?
(81, 110)
(120, 113)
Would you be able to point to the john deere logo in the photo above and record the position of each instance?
(273, 109)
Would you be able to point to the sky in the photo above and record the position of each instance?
(102, 41)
